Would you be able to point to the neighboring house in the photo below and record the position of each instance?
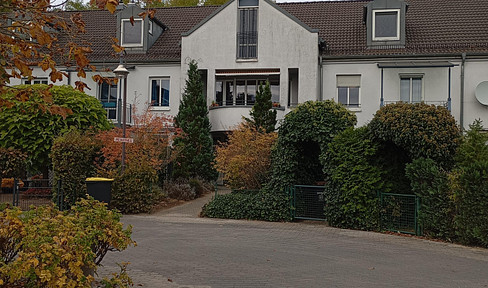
(363, 54)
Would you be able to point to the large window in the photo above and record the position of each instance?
(107, 94)
(411, 89)
(348, 87)
(386, 25)
(39, 80)
(159, 92)
(247, 34)
(242, 91)
(131, 35)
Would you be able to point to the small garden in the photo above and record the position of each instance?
(407, 149)
(63, 136)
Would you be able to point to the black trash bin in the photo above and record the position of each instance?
(100, 189)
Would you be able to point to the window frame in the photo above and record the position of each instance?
(411, 77)
(248, 89)
(161, 100)
(242, 41)
(141, 44)
(41, 80)
(397, 37)
(351, 107)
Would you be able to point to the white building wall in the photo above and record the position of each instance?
(282, 43)
(476, 71)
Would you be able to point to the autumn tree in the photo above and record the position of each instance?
(245, 160)
(196, 155)
(262, 116)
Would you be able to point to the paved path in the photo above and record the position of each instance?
(176, 249)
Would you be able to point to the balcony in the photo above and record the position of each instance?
(114, 114)
(436, 103)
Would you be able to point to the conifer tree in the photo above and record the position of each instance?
(262, 116)
(196, 156)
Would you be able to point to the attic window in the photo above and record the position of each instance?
(386, 25)
(150, 27)
(131, 35)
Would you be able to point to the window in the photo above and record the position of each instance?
(150, 29)
(348, 90)
(386, 25)
(107, 94)
(247, 34)
(160, 92)
(39, 80)
(131, 35)
(244, 89)
(411, 89)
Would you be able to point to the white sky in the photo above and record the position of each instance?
(278, 1)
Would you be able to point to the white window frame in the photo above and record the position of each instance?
(158, 107)
(398, 25)
(150, 29)
(410, 77)
(122, 33)
(350, 108)
(35, 79)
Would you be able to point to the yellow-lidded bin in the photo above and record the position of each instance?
(100, 188)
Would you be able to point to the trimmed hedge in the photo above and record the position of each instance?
(267, 206)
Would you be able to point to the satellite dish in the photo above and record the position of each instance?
(481, 93)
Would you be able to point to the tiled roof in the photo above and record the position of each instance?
(433, 27)
(101, 27)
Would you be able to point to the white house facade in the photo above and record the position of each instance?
(363, 54)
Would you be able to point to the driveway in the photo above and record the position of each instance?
(178, 249)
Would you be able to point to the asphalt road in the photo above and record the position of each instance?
(177, 249)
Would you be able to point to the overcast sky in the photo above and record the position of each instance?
(279, 1)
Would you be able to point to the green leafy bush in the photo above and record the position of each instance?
(470, 185)
(353, 181)
(268, 206)
(302, 138)
(421, 130)
(73, 156)
(431, 184)
(31, 126)
(49, 248)
(136, 190)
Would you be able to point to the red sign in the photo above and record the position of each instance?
(125, 140)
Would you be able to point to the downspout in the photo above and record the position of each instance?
(321, 80)
(461, 106)
(381, 96)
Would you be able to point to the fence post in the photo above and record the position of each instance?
(14, 191)
(60, 196)
(381, 211)
(418, 226)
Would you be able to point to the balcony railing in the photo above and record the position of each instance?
(436, 103)
(113, 112)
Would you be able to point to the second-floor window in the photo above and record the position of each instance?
(386, 25)
(159, 92)
(247, 34)
(348, 87)
(38, 80)
(411, 89)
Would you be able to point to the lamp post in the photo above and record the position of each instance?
(121, 72)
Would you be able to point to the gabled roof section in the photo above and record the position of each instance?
(298, 21)
(433, 27)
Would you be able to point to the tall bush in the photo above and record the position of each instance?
(245, 159)
(302, 138)
(353, 181)
(73, 156)
(431, 184)
(31, 126)
(470, 184)
(196, 156)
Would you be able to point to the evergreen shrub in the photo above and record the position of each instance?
(431, 184)
(265, 205)
(302, 138)
(353, 181)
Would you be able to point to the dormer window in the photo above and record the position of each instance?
(132, 35)
(386, 25)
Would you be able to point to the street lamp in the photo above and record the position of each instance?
(121, 72)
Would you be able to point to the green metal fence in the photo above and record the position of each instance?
(399, 213)
(26, 193)
(307, 202)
